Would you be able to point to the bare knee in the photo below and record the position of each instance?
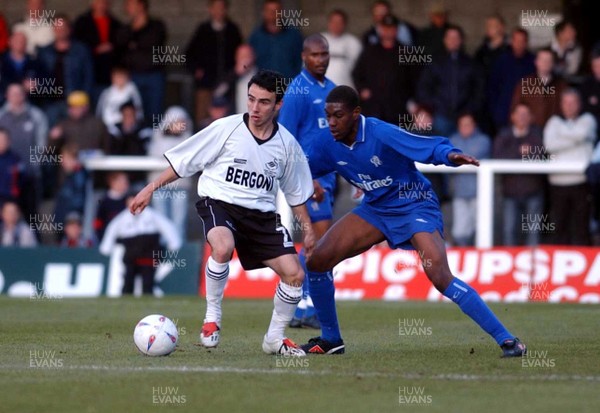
(222, 250)
(296, 278)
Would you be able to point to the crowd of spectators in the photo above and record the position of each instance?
(71, 89)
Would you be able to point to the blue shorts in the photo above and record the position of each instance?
(399, 228)
(320, 211)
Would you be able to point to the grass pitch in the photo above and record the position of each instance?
(76, 355)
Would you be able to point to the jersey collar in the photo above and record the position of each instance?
(360, 133)
(313, 80)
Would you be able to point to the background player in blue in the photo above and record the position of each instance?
(303, 114)
(399, 206)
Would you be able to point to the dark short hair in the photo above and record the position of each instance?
(381, 3)
(547, 50)
(521, 31)
(457, 28)
(562, 24)
(340, 13)
(345, 95)
(270, 80)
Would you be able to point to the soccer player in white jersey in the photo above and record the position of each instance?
(244, 159)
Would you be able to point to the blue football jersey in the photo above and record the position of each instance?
(382, 163)
(303, 114)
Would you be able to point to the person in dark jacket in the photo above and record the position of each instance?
(98, 29)
(11, 170)
(211, 53)
(384, 92)
(452, 84)
(523, 194)
(590, 89)
(494, 43)
(432, 36)
(142, 50)
(406, 34)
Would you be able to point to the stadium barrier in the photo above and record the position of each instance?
(53, 272)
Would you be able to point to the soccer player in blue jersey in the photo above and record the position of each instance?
(399, 206)
(303, 114)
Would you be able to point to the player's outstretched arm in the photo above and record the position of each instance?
(309, 238)
(142, 199)
(462, 159)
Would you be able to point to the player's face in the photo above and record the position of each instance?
(341, 120)
(261, 105)
(316, 58)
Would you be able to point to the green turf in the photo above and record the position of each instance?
(450, 367)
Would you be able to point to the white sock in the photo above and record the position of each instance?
(302, 304)
(216, 279)
(309, 302)
(285, 301)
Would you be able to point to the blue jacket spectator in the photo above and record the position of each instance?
(507, 71)
(277, 46)
(71, 194)
(11, 170)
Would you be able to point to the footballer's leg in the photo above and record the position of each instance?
(285, 301)
(432, 250)
(222, 243)
(349, 236)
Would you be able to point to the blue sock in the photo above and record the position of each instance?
(472, 305)
(309, 311)
(322, 292)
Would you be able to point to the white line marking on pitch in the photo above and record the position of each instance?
(237, 370)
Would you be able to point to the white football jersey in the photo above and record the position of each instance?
(241, 170)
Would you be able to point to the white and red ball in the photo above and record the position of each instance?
(155, 335)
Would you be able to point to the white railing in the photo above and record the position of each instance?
(485, 179)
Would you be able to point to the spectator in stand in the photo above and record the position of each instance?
(211, 53)
(113, 201)
(523, 194)
(542, 89)
(386, 91)
(432, 37)
(234, 86)
(507, 71)
(172, 200)
(71, 193)
(277, 46)
(37, 25)
(97, 28)
(140, 235)
(130, 137)
(494, 43)
(81, 127)
(452, 84)
(219, 108)
(16, 66)
(590, 89)
(140, 43)
(3, 34)
(28, 129)
(68, 63)
(593, 176)
(569, 53)
(344, 49)
(464, 186)
(11, 170)
(406, 34)
(74, 237)
(15, 232)
(121, 90)
(570, 137)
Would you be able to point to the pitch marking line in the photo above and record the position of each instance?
(237, 370)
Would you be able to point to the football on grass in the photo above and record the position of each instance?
(155, 335)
